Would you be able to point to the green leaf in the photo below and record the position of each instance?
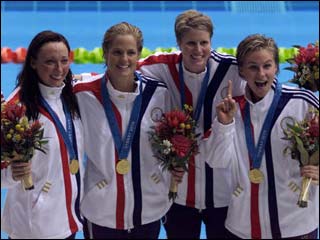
(304, 156)
(296, 129)
(290, 69)
(314, 159)
(296, 46)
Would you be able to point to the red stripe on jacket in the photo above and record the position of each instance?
(254, 200)
(95, 88)
(66, 174)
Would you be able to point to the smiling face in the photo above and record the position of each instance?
(122, 57)
(195, 46)
(259, 69)
(52, 63)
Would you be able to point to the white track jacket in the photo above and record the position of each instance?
(51, 209)
(110, 199)
(202, 186)
(271, 206)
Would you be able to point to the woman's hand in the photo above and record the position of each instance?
(311, 172)
(177, 174)
(20, 169)
(227, 108)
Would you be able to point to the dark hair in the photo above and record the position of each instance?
(28, 78)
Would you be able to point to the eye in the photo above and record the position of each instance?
(204, 43)
(267, 66)
(253, 67)
(65, 61)
(49, 62)
(132, 53)
(116, 52)
(191, 44)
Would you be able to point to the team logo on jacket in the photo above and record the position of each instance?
(156, 114)
(224, 92)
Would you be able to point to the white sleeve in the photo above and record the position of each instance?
(219, 145)
(86, 76)
(6, 178)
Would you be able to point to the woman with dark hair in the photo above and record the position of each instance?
(44, 86)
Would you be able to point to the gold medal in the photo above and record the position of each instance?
(123, 166)
(256, 176)
(74, 166)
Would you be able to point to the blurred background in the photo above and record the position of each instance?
(84, 24)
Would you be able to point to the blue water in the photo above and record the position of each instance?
(86, 29)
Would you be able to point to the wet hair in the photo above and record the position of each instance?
(192, 19)
(257, 42)
(28, 78)
(122, 28)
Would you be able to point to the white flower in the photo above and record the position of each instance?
(167, 145)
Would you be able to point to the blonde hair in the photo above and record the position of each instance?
(256, 42)
(192, 19)
(122, 28)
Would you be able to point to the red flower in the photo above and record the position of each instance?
(17, 134)
(173, 141)
(314, 127)
(181, 145)
(175, 117)
(305, 65)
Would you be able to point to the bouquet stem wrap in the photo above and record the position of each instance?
(27, 182)
(304, 193)
(173, 189)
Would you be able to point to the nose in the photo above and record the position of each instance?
(261, 71)
(124, 57)
(198, 47)
(59, 66)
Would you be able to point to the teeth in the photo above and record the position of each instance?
(126, 66)
(196, 57)
(57, 77)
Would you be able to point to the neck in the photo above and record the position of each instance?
(254, 98)
(194, 70)
(123, 84)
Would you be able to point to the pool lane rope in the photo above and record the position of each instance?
(83, 56)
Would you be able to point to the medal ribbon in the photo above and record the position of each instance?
(202, 94)
(256, 153)
(122, 146)
(66, 135)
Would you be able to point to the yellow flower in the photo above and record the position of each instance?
(9, 136)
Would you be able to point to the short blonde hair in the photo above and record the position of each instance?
(122, 28)
(192, 19)
(256, 42)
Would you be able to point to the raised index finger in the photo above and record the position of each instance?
(229, 88)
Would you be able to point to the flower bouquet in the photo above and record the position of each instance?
(174, 142)
(305, 65)
(304, 145)
(19, 138)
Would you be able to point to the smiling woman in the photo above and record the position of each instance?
(21, 20)
(44, 89)
(52, 64)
